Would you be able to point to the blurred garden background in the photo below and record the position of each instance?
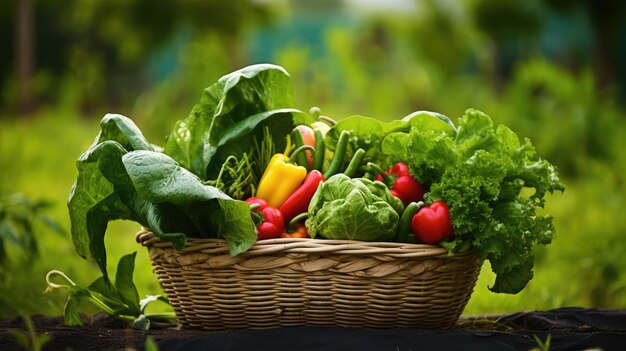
(551, 70)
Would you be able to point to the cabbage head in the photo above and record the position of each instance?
(345, 208)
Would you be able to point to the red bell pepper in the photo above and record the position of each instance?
(298, 202)
(431, 224)
(272, 222)
(401, 183)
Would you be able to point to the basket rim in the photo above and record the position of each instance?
(304, 245)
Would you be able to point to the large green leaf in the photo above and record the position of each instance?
(230, 110)
(123, 130)
(161, 180)
(124, 282)
(95, 199)
(103, 191)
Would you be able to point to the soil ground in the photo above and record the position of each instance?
(570, 328)
(99, 333)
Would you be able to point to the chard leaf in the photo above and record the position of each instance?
(236, 99)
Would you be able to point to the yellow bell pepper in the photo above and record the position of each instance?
(280, 180)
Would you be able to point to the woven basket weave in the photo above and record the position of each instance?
(293, 282)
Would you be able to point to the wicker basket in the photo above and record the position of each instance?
(294, 282)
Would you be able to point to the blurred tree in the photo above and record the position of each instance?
(104, 45)
(608, 18)
(517, 28)
(513, 26)
(24, 53)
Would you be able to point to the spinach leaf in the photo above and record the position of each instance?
(230, 114)
(160, 180)
(123, 130)
(96, 199)
(103, 191)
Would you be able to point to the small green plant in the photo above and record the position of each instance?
(20, 220)
(542, 345)
(151, 345)
(119, 299)
(29, 339)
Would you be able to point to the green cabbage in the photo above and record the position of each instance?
(353, 209)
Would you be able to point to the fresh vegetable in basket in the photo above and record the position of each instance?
(298, 201)
(401, 182)
(281, 178)
(494, 185)
(123, 176)
(271, 221)
(353, 209)
(298, 231)
(431, 224)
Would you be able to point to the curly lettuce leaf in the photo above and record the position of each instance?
(481, 173)
(369, 133)
(429, 153)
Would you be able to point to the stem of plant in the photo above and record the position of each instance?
(299, 150)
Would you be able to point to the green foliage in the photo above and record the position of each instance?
(231, 114)
(480, 172)
(542, 345)
(120, 300)
(105, 45)
(120, 177)
(20, 220)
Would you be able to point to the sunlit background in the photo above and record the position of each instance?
(553, 71)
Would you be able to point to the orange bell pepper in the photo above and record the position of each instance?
(299, 232)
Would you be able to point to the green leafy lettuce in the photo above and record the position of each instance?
(495, 186)
(346, 208)
(368, 133)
